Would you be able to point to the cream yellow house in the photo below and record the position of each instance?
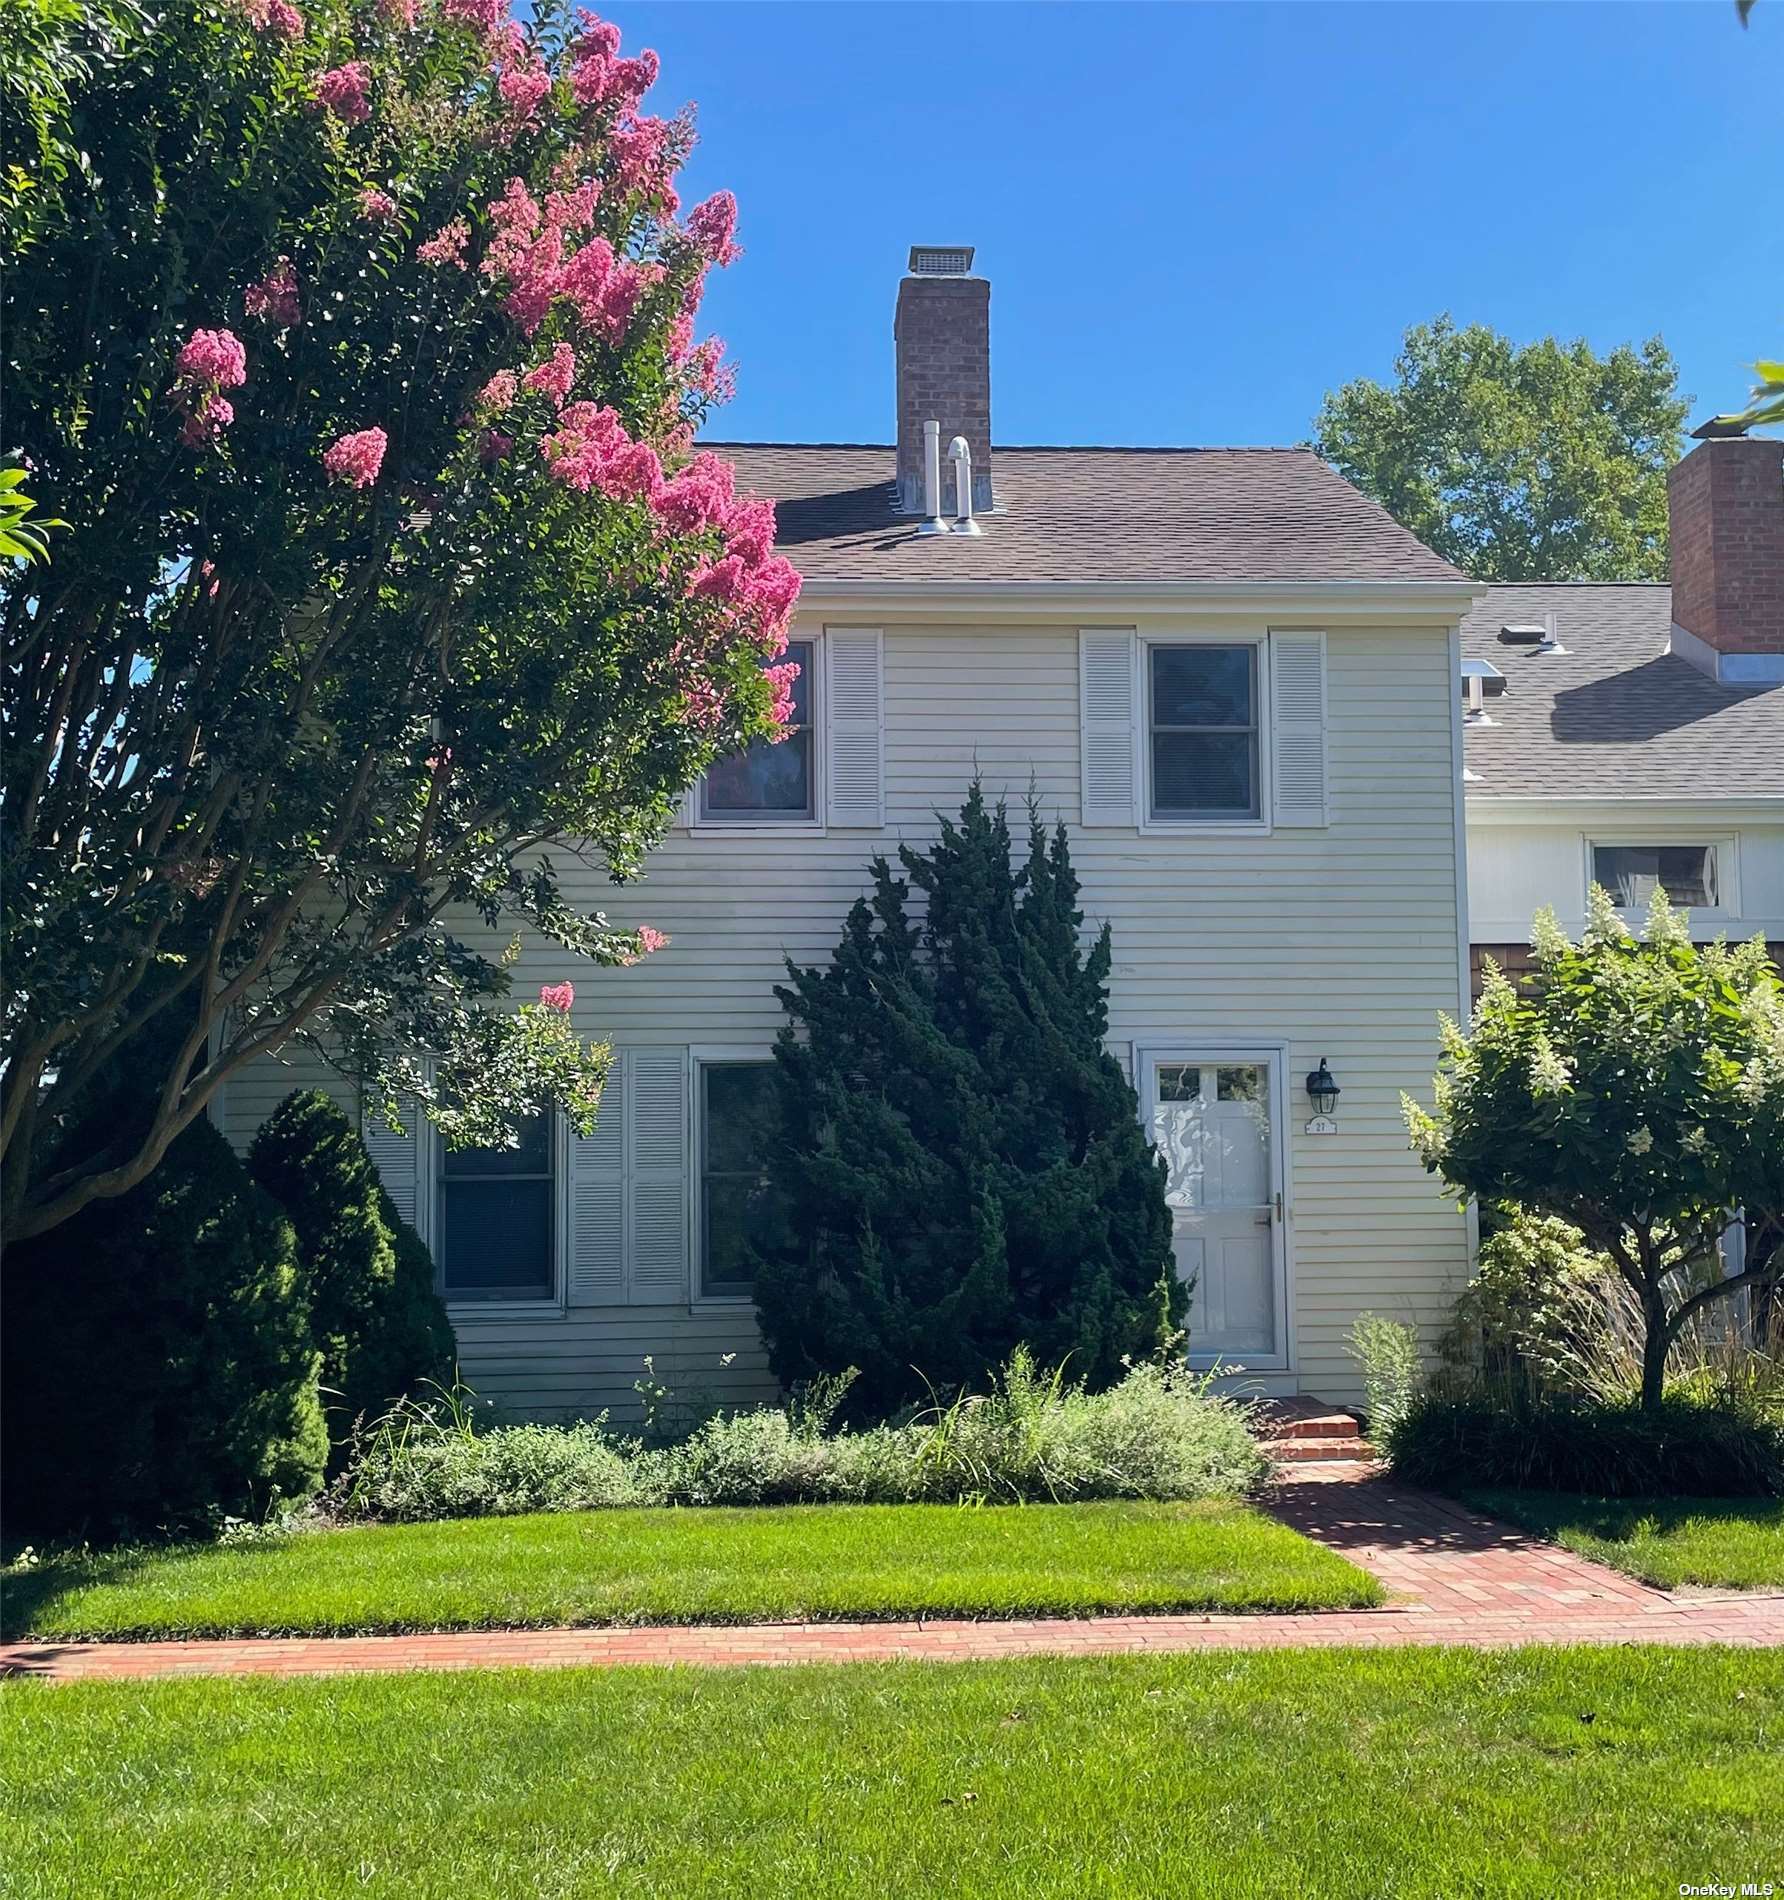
(1234, 678)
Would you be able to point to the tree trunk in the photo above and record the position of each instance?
(1656, 1343)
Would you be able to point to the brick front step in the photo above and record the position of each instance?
(1351, 1450)
(1305, 1431)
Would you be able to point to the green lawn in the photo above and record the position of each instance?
(688, 1566)
(1733, 1543)
(1410, 1772)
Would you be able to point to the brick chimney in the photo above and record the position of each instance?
(1725, 513)
(942, 331)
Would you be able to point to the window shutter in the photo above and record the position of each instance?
(598, 1201)
(397, 1157)
(852, 703)
(657, 1139)
(1298, 728)
(1109, 723)
(689, 808)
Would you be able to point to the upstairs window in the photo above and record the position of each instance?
(1630, 872)
(497, 1230)
(772, 781)
(1202, 711)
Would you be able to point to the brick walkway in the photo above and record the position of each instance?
(1455, 1578)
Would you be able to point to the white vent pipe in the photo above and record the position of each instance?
(932, 480)
(961, 455)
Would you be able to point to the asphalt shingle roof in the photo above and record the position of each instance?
(1615, 715)
(1088, 515)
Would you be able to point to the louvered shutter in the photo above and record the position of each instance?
(657, 1137)
(855, 728)
(598, 1201)
(1109, 723)
(397, 1157)
(1298, 728)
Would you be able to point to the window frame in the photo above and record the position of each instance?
(701, 1057)
(1251, 824)
(552, 1303)
(759, 824)
(1721, 850)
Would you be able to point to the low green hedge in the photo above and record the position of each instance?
(1156, 1435)
(1502, 1435)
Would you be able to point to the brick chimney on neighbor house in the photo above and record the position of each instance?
(942, 331)
(1725, 514)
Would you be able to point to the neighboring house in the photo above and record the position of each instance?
(1634, 734)
(1233, 677)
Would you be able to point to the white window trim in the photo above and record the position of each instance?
(700, 1056)
(1726, 865)
(1259, 642)
(1168, 1046)
(555, 1305)
(816, 826)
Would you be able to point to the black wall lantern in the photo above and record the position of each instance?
(1322, 1090)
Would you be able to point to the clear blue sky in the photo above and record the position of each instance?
(1197, 219)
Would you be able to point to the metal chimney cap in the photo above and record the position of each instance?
(941, 260)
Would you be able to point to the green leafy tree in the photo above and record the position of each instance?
(356, 344)
(961, 1168)
(1541, 463)
(156, 1366)
(1634, 1088)
(378, 1321)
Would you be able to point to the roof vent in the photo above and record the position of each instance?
(1539, 634)
(1479, 678)
(941, 260)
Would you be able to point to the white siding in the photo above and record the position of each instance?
(1517, 864)
(1341, 940)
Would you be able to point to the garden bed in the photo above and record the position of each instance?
(1339, 1774)
(698, 1565)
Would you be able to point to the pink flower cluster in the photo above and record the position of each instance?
(499, 392)
(274, 299)
(644, 154)
(781, 678)
(342, 90)
(649, 940)
(522, 81)
(278, 17)
(764, 586)
(356, 458)
(555, 375)
(598, 76)
(375, 206)
(213, 357)
(591, 449)
(558, 996)
(531, 252)
(447, 245)
(697, 496)
(712, 224)
(400, 13)
(710, 377)
(209, 362)
(485, 15)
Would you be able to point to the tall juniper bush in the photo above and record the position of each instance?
(961, 1167)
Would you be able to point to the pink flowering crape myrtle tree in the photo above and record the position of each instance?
(359, 353)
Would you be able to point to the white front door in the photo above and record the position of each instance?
(1214, 1117)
